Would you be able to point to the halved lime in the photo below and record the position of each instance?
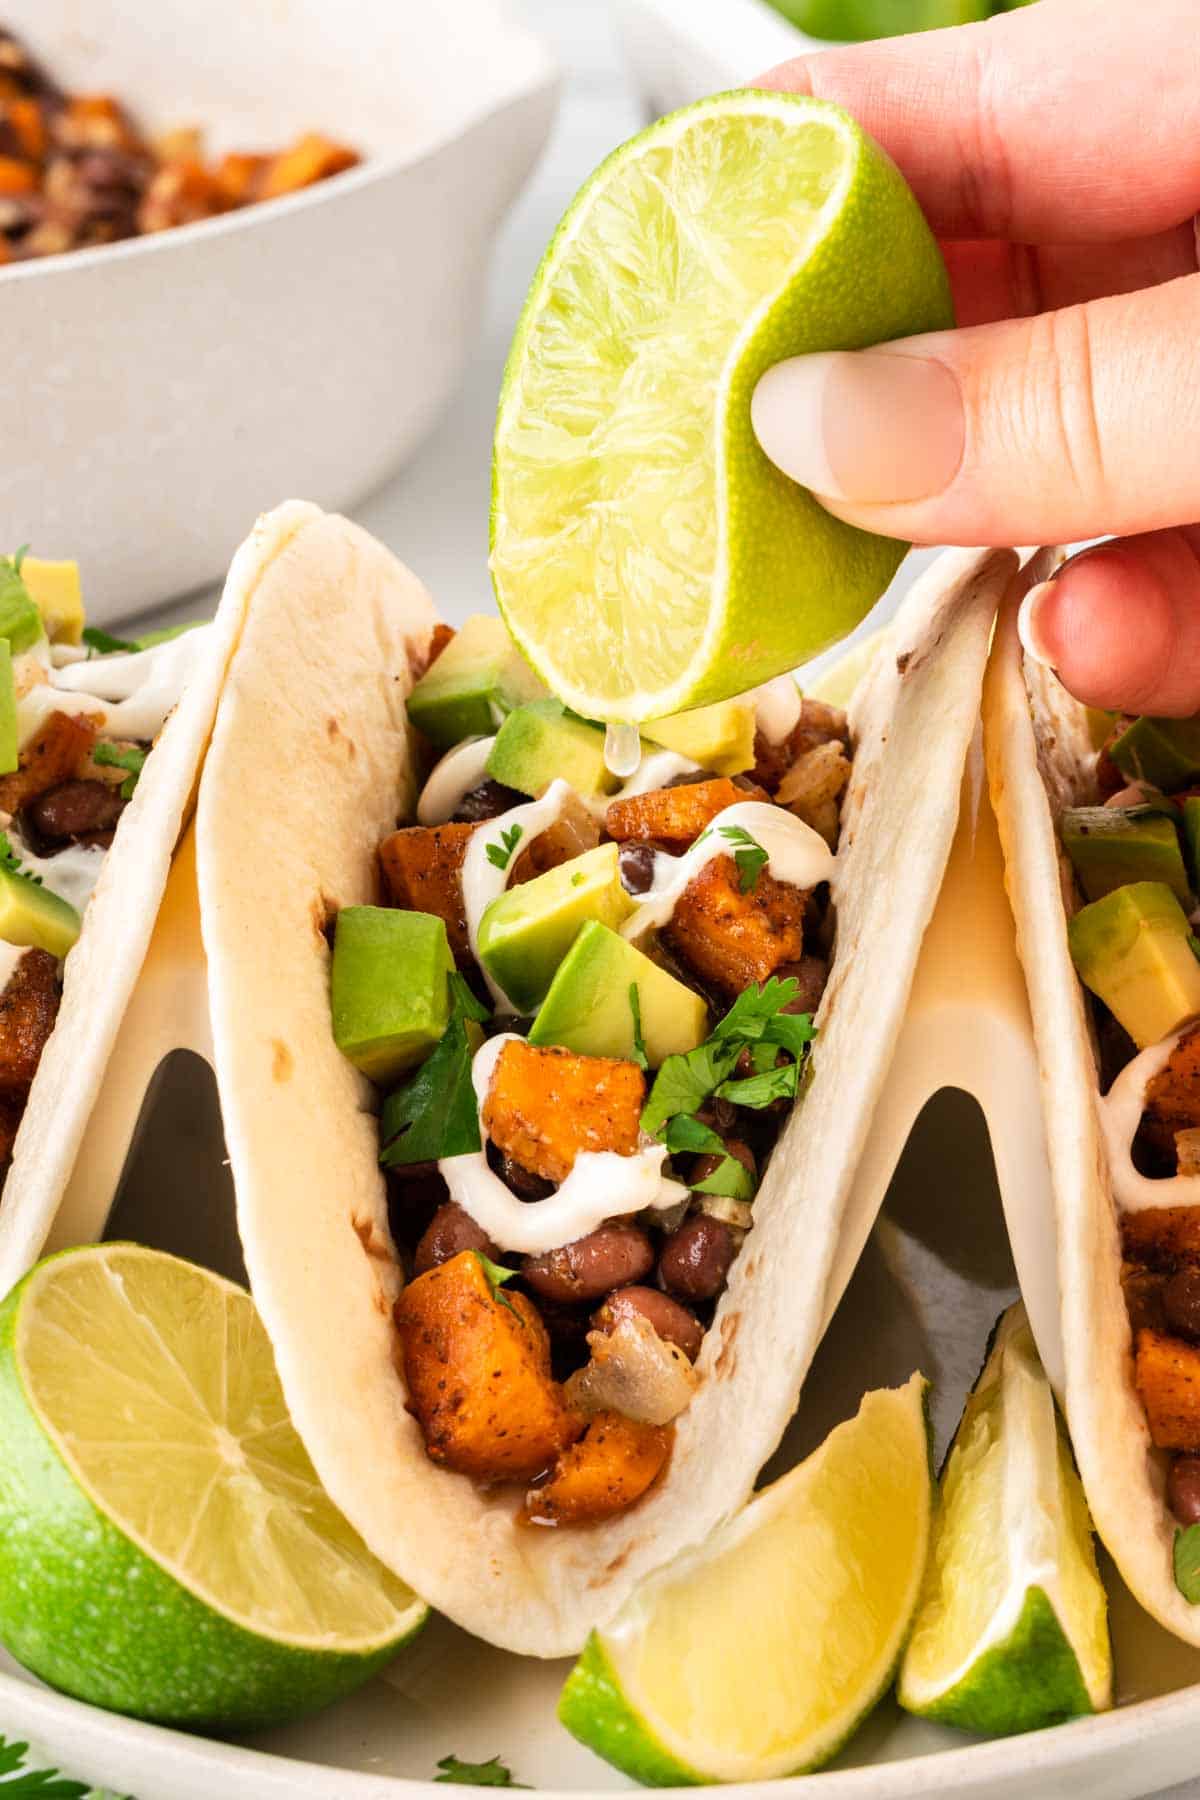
(1012, 1631)
(759, 1654)
(837, 683)
(165, 1546)
(646, 555)
(846, 21)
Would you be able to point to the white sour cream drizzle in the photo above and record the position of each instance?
(72, 873)
(1120, 1114)
(600, 1186)
(483, 881)
(777, 708)
(796, 854)
(130, 693)
(452, 779)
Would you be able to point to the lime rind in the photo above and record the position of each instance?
(594, 1709)
(95, 1615)
(1029, 1679)
(758, 576)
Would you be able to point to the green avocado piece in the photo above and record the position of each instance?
(1191, 835)
(1134, 950)
(32, 916)
(1163, 752)
(540, 741)
(1111, 846)
(525, 933)
(20, 620)
(718, 737)
(390, 987)
(10, 756)
(588, 1006)
(478, 679)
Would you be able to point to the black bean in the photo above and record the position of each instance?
(73, 809)
(592, 1266)
(636, 863)
(695, 1259)
(1183, 1489)
(674, 1323)
(452, 1231)
(1181, 1304)
(812, 972)
(487, 801)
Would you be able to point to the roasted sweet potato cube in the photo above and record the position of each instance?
(546, 1105)
(1173, 1096)
(729, 938)
(25, 126)
(1162, 1237)
(1167, 1374)
(28, 1009)
(604, 1473)
(676, 815)
(311, 158)
(16, 177)
(477, 1366)
(237, 176)
(60, 749)
(422, 866)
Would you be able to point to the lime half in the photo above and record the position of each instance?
(1012, 1630)
(165, 1546)
(646, 555)
(759, 1654)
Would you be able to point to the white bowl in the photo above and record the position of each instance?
(678, 50)
(155, 390)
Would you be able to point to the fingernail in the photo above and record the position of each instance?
(1034, 625)
(862, 425)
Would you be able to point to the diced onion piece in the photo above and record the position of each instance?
(632, 1371)
(738, 1213)
(811, 786)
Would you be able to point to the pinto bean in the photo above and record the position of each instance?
(592, 1266)
(74, 809)
(674, 1323)
(487, 801)
(636, 863)
(452, 1231)
(1181, 1304)
(1183, 1489)
(706, 1165)
(695, 1259)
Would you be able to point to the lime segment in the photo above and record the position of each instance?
(1012, 1630)
(165, 1546)
(647, 557)
(759, 1654)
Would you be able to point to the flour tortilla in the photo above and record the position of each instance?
(309, 768)
(1039, 757)
(102, 969)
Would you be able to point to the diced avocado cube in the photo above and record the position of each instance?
(1111, 846)
(588, 1008)
(58, 596)
(10, 756)
(1134, 950)
(526, 932)
(477, 680)
(30, 915)
(542, 741)
(20, 620)
(719, 737)
(390, 987)
(1162, 752)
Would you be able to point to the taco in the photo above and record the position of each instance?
(539, 1165)
(106, 737)
(1100, 821)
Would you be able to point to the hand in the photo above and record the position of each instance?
(1056, 153)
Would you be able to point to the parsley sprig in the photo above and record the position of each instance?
(749, 855)
(34, 1784)
(434, 1113)
(492, 1773)
(113, 756)
(500, 855)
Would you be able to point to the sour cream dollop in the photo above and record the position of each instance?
(130, 693)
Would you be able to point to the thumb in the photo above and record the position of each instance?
(1062, 426)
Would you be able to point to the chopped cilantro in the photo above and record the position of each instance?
(765, 1088)
(500, 855)
(497, 1275)
(11, 861)
(1187, 1564)
(730, 1177)
(491, 1773)
(639, 1042)
(103, 643)
(749, 855)
(435, 1113)
(111, 756)
(757, 1007)
(685, 1082)
(34, 1784)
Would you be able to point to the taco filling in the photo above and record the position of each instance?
(1133, 942)
(587, 1006)
(79, 713)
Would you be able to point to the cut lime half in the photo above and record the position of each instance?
(1012, 1631)
(165, 1546)
(759, 1654)
(646, 555)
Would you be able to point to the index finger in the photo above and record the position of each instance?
(1074, 121)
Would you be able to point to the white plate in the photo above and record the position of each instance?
(302, 346)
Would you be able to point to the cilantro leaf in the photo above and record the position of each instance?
(500, 855)
(435, 1112)
(761, 1090)
(1187, 1563)
(492, 1773)
(464, 1001)
(757, 1007)
(685, 1082)
(497, 1275)
(730, 1177)
(791, 1031)
(34, 1784)
(103, 642)
(639, 1042)
(111, 756)
(11, 861)
(691, 1136)
(750, 857)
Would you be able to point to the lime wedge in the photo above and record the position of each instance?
(647, 557)
(837, 682)
(759, 1654)
(1012, 1629)
(165, 1546)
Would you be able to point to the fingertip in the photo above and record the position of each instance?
(1106, 625)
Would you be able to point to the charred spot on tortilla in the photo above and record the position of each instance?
(902, 662)
(283, 1063)
(335, 734)
(324, 914)
(726, 1359)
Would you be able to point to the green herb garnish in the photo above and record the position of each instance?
(749, 855)
(639, 1042)
(111, 756)
(500, 855)
(435, 1112)
(11, 861)
(34, 1784)
(497, 1275)
(491, 1773)
(1187, 1564)
(689, 1136)
(102, 642)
